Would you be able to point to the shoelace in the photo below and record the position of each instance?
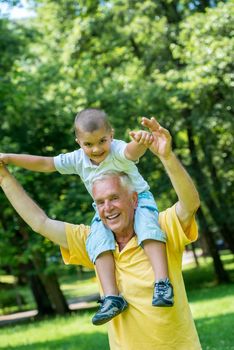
(160, 288)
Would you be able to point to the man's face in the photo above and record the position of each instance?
(115, 205)
(96, 144)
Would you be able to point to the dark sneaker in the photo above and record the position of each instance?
(163, 293)
(110, 307)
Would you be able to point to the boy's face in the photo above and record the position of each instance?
(96, 144)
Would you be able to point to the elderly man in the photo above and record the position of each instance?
(141, 326)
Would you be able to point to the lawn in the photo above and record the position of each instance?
(212, 307)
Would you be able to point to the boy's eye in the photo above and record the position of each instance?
(102, 141)
(88, 144)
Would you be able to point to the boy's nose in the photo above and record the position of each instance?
(96, 149)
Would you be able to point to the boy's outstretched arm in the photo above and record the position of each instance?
(29, 162)
(141, 140)
(30, 212)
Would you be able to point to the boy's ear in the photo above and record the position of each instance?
(77, 141)
(112, 133)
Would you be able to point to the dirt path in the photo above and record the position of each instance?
(84, 303)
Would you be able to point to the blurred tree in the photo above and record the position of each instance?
(14, 40)
(204, 86)
(201, 94)
(167, 58)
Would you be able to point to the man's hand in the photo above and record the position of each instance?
(4, 158)
(142, 137)
(161, 145)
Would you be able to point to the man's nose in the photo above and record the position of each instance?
(108, 205)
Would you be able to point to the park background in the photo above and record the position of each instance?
(169, 59)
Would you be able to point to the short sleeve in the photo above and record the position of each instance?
(170, 224)
(118, 148)
(76, 253)
(68, 163)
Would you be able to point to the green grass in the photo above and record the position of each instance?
(213, 310)
(73, 332)
(212, 307)
(73, 285)
(10, 293)
(78, 286)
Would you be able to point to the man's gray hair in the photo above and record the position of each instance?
(125, 180)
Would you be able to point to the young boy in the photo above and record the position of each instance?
(98, 153)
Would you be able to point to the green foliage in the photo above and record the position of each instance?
(171, 59)
(203, 85)
(9, 298)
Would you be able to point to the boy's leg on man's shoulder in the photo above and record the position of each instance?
(99, 240)
(146, 219)
(153, 240)
(100, 244)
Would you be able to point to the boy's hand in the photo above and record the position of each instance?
(3, 158)
(142, 137)
(161, 145)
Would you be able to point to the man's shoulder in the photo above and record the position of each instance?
(170, 224)
(80, 231)
(166, 216)
(76, 239)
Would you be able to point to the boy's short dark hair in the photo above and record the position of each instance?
(91, 119)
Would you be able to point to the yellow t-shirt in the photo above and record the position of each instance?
(143, 326)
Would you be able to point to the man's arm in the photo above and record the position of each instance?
(30, 212)
(135, 149)
(29, 162)
(188, 196)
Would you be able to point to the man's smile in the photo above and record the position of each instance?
(112, 217)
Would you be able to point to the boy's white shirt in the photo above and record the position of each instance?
(77, 162)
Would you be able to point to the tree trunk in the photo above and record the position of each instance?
(55, 294)
(195, 255)
(44, 305)
(222, 212)
(205, 194)
(29, 275)
(51, 285)
(221, 274)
